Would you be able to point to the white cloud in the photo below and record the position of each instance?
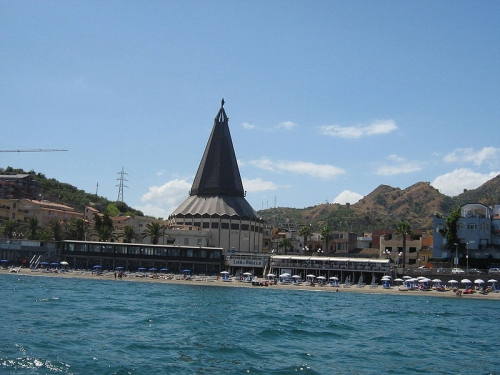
(488, 155)
(288, 125)
(299, 167)
(246, 125)
(160, 201)
(258, 184)
(455, 182)
(375, 128)
(347, 196)
(398, 165)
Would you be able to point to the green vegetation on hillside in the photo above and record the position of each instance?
(59, 192)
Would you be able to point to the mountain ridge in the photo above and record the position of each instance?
(383, 208)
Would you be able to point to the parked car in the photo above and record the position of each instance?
(494, 271)
(457, 271)
(475, 271)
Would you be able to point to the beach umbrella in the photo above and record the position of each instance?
(270, 275)
(141, 269)
(4, 261)
(64, 263)
(164, 269)
(453, 281)
(398, 279)
(285, 274)
(247, 274)
(97, 266)
(189, 271)
(479, 281)
(334, 278)
(312, 276)
(224, 272)
(119, 268)
(44, 263)
(436, 280)
(153, 269)
(492, 281)
(296, 276)
(321, 278)
(465, 281)
(407, 277)
(424, 280)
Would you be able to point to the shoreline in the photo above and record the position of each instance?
(367, 289)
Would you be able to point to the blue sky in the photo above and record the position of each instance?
(326, 99)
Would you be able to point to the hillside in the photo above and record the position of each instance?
(383, 208)
(59, 192)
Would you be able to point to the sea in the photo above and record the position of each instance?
(54, 325)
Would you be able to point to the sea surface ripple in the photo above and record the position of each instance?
(79, 326)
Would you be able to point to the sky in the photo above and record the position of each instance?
(326, 100)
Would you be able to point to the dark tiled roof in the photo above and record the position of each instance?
(217, 188)
(218, 173)
(216, 205)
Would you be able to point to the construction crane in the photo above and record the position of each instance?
(36, 150)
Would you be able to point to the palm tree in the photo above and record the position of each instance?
(56, 228)
(32, 226)
(9, 228)
(305, 232)
(285, 243)
(76, 229)
(129, 233)
(154, 230)
(103, 227)
(403, 230)
(326, 233)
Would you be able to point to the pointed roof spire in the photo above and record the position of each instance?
(218, 173)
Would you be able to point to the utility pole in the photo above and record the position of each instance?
(121, 185)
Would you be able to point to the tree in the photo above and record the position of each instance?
(403, 230)
(305, 232)
(9, 228)
(103, 227)
(154, 230)
(129, 233)
(76, 230)
(56, 229)
(450, 232)
(32, 227)
(285, 243)
(327, 233)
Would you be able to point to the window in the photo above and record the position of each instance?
(235, 226)
(206, 224)
(215, 225)
(484, 226)
(461, 226)
(471, 226)
(244, 226)
(224, 225)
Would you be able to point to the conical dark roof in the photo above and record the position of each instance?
(217, 188)
(218, 173)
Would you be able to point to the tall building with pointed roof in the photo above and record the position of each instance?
(216, 200)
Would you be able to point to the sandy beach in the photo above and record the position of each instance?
(202, 281)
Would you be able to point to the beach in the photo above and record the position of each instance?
(204, 281)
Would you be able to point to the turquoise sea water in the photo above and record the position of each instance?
(78, 326)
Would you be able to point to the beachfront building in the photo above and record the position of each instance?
(216, 201)
(355, 270)
(196, 260)
(478, 233)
